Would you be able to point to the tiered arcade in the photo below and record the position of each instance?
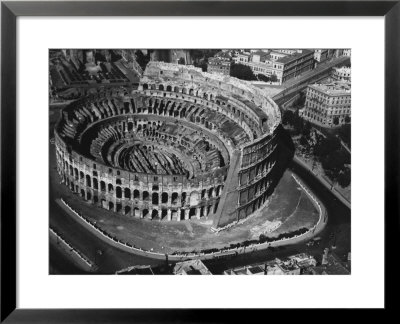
(184, 145)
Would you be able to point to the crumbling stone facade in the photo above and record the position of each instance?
(184, 145)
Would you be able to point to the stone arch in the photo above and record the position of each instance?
(127, 210)
(145, 212)
(183, 198)
(118, 192)
(146, 196)
(110, 187)
(154, 198)
(164, 198)
(127, 193)
(102, 186)
(95, 184)
(145, 86)
(169, 88)
(136, 194)
(154, 214)
(88, 181)
(174, 198)
(110, 205)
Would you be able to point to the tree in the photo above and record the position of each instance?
(344, 178)
(336, 121)
(142, 59)
(300, 101)
(345, 133)
(263, 77)
(334, 163)
(303, 141)
(273, 78)
(243, 72)
(306, 129)
(325, 146)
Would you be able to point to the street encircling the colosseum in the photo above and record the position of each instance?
(288, 209)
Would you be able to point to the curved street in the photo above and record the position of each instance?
(109, 259)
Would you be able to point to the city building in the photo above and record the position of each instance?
(303, 260)
(218, 65)
(136, 270)
(292, 65)
(341, 73)
(328, 105)
(246, 270)
(293, 265)
(191, 267)
(321, 55)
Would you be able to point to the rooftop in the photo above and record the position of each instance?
(293, 57)
(333, 88)
(191, 267)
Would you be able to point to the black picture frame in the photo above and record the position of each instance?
(9, 13)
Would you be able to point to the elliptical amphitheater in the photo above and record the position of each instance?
(182, 145)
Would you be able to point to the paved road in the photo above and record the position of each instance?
(113, 258)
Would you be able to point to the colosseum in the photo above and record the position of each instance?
(181, 145)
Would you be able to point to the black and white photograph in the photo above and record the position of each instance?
(212, 161)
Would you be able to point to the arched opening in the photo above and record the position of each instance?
(145, 196)
(192, 212)
(145, 213)
(145, 86)
(161, 87)
(136, 194)
(110, 205)
(210, 192)
(169, 88)
(183, 200)
(164, 198)
(136, 212)
(182, 214)
(176, 89)
(119, 192)
(76, 174)
(154, 198)
(127, 193)
(83, 193)
(81, 175)
(164, 213)
(127, 210)
(203, 193)
(95, 184)
(191, 92)
(174, 198)
(215, 207)
(110, 188)
(184, 90)
(102, 186)
(88, 195)
(119, 208)
(154, 214)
